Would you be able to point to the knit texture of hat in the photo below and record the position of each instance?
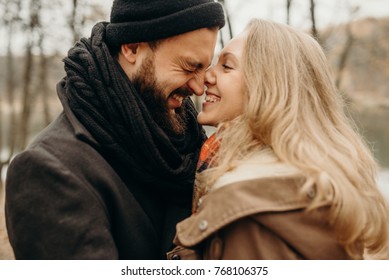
(134, 21)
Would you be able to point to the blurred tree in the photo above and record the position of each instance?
(228, 26)
(35, 81)
(77, 19)
(346, 51)
(288, 6)
(32, 27)
(344, 54)
(10, 20)
(43, 87)
(314, 31)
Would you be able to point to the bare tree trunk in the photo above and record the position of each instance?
(221, 39)
(11, 94)
(2, 191)
(35, 6)
(72, 22)
(314, 32)
(1, 134)
(228, 22)
(229, 26)
(288, 6)
(78, 18)
(10, 19)
(43, 88)
(1, 183)
(344, 55)
(26, 97)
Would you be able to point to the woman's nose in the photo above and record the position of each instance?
(210, 77)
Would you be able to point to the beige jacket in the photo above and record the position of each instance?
(258, 218)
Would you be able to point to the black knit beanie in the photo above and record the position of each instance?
(134, 21)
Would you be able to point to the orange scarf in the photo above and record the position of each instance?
(207, 153)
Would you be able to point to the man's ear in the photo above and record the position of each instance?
(130, 52)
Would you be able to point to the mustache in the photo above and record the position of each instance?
(184, 92)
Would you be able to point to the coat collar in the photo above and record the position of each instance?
(240, 199)
(79, 130)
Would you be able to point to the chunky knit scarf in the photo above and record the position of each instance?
(103, 99)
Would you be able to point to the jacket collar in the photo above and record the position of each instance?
(79, 130)
(240, 199)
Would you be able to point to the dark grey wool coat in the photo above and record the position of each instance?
(107, 179)
(66, 202)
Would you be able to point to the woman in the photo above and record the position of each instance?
(285, 176)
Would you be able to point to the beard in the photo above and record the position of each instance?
(152, 95)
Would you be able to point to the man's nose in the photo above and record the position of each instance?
(196, 84)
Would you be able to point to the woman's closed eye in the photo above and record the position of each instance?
(227, 66)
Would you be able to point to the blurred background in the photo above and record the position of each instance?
(36, 34)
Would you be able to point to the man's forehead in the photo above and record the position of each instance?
(201, 41)
(192, 49)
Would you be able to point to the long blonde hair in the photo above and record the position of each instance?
(293, 108)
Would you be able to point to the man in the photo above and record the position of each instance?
(113, 174)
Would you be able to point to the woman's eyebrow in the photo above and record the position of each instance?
(228, 54)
